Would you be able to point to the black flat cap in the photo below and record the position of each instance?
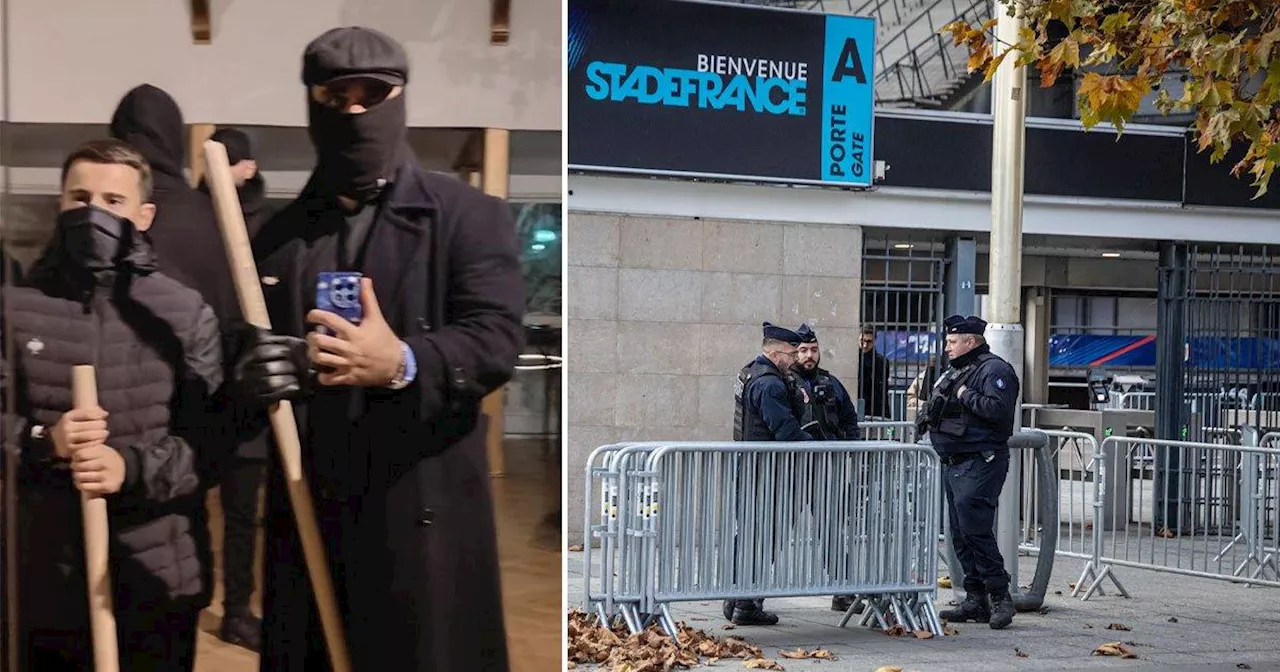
(236, 142)
(958, 324)
(353, 51)
(781, 334)
(806, 334)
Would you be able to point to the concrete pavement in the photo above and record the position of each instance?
(1219, 626)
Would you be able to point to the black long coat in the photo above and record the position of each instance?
(400, 479)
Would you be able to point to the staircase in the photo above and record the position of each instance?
(915, 66)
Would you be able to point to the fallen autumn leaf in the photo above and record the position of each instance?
(1114, 649)
(1119, 626)
(762, 664)
(575, 548)
(923, 634)
(1020, 653)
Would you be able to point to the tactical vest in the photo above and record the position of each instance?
(818, 409)
(942, 415)
(743, 417)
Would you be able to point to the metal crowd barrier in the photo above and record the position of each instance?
(1073, 457)
(740, 520)
(1197, 509)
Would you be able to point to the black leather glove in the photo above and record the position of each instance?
(270, 368)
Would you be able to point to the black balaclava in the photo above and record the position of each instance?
(357, 154)
(93, 238)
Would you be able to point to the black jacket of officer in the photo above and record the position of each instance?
(821, 401)
(762, 397)
(981, 416)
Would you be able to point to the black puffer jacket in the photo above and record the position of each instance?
(185, 236)
(156, 350)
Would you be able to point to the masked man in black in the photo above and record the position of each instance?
(392, 433)
(95, 298)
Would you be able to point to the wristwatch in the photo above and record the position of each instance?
(408, 368)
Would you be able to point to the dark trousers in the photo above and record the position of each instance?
(973, 490)
(240, 486)
(149, 642)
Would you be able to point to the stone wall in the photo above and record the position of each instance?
(664, 312)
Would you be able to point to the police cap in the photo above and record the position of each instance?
(957, 324)
(776, 333)
(806, 334)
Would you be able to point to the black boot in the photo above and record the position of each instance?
(974, 608)
(728, 609)
(842, 603)
(242, 628)
(751, 612)
(1001, 610)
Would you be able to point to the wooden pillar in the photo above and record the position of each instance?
(495, 179)
(196, 135)
(500, 22)
(201, 25)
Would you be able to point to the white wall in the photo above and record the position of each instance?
(72, 60)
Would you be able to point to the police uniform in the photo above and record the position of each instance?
(821, 401)
(827, 412)
(762, 411)
(970, 430)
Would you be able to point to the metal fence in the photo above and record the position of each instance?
(1197, 509)
(1072, 454)
(737, 520)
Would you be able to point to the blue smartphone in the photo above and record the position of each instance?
(339, 293)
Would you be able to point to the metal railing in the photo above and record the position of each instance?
(916, 64)
(1197, 509)
(1073, 455)
(738, 520)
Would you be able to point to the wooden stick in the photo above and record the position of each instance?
(102, 618)
(244, 272)
(496, 179)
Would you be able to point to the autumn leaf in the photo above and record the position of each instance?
(1114, 649)
(888, 668)
(923, 634)
(762, 664)
(1120, 51)
(1020, 653)
(1119, 626)
(575, 548)
(944, 582)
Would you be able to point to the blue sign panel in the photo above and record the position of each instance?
(712, 90)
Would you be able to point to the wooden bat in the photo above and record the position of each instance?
(244, 273)
(102, 618)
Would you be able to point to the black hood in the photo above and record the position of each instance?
(253, 194)
(149, 119)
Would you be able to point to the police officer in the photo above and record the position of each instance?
(821, 400)
(969, 418)
(763, 412)
(824, 407)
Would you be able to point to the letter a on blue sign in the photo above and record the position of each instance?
(848, 98)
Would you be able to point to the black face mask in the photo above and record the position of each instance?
(93, 238)
(357, 153)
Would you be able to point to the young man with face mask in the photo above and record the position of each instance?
(389, 410)
(96, 298)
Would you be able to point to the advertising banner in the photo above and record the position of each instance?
(700, 89)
